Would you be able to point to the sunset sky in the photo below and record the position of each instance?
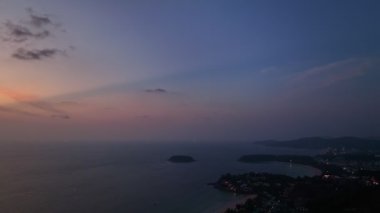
(188, 70)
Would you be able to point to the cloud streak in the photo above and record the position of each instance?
(16, 111)
(23, 54)
(156, 91)
(324, 76)
(32, 102)
(333, 73)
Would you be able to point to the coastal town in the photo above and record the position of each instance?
(348, 182)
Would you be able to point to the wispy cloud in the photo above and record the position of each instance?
(48, 108)
(325, 76)
(68, 103)
(31, 102)
(333, 73)
(16, 111)
(60, 116)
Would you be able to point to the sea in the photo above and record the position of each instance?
(127, 177)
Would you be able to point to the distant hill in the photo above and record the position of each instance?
(349, 143)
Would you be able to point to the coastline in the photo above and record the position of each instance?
(239, 199)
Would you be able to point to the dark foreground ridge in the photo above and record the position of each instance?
(281, 193)
(181, 159)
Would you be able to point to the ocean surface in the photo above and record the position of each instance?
(125, 177)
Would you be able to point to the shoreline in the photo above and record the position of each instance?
(239, 199)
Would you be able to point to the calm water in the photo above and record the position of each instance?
(113, 178)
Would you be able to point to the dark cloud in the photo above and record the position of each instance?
(158, 91)
(18, 33)
(37, 27)
(40, 21)
(24, 54)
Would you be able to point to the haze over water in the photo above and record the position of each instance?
(114, 177)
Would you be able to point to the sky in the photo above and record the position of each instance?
(168, 70)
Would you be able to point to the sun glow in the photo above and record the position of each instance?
(5, 100)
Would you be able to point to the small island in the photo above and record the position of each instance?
(181, 159)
